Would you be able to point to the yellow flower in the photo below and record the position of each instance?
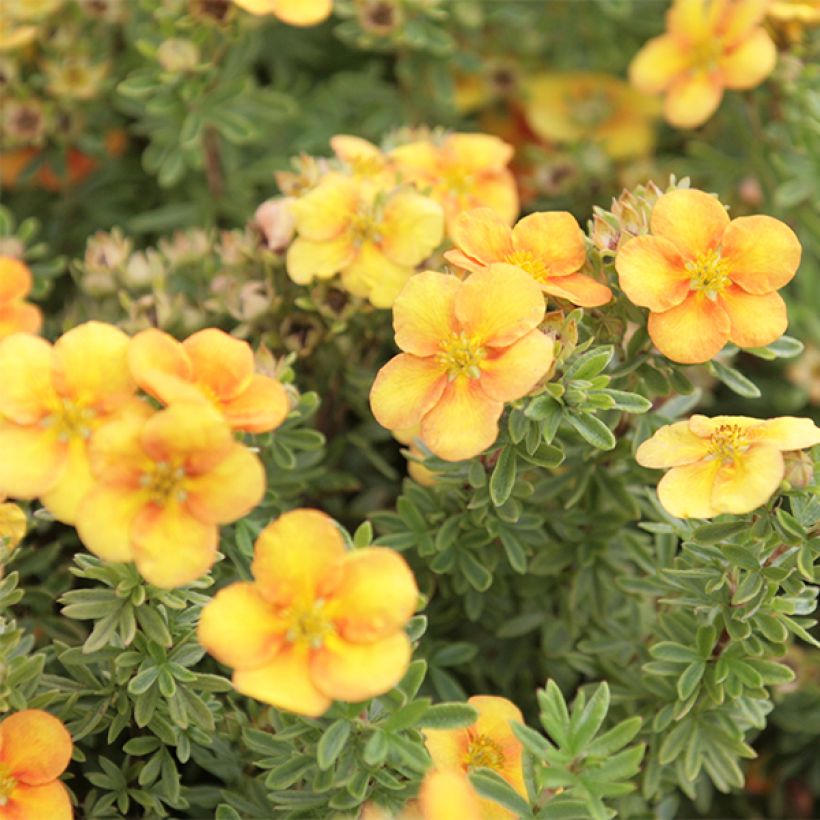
(293, 12)
(489, 743)
(805, 12)
(74, 77)
(16, 315)
(318, 623)
(364, 160)
(580, 106)
(725, 464)
(709, 45)
(374, 239)
(462, 171)
(12, 525)
(163, 483)
(51, 402)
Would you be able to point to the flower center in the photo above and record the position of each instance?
(529, 264)
(483, 751)
(7, 784)
(457, 180)
(709, 274)
(461, 354)
(164, 481)
(591, 108)
(705, 55)
(308, 624)
(364, 227)
(366, 166)
(727, 443)
(70, 420)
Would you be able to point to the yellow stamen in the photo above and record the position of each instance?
(461, 354)
(709, 274)
(530, 264)
(308, 624)
(164, 481)
(70, 419)
(483, 751)
(727, 443)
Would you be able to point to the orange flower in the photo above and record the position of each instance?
(489, 742)
(375, 239)
(447, 794)
(549, 246)
(709, 45)
(16, 315)
(35, 749)
(463, 171)
(318, 623)
(164, 482)
(209, 367)
(725, 464)
(52, 399)
(293, 12)
(706, 280)
(468, 347)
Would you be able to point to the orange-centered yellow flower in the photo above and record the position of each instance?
(549, 246)
(16, 315)
(293, 12)
(463, 171)
(725, 464)
(469, 346)
(51, 401)
(489, 742)
(318, 623)
(709, 45)
(706, 280)
(209, 367)
(375, 239)
(163, 483)
(35, 749)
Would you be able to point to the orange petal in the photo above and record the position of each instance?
(297, 556)
(693, 221)
(463, 423)
(482, 236)
(579, 289)
(104, 520)
(35, 747)
(307, 259)
(496, 191)
(33, 460)
(63, 499)
(499, 305)
(376, 595)
(693, 332)
(553, 238)
(285, 682)
(671, 446)
(787, 433)
(15, 279)
(229, 490)
(262, 406)
(325, 212)
(239, 628)
(170, 546)
(26, 390)
(657, 64)
(424, 312)
(749, 482)
(412, 227)
(91, 366)
(748, 63)
(461, 260)
(651, 273)
(51, 800)
(756, 320)
(302, 12)
(358, 671)
(494, 717)
(222, 363)
(19, 317)
(686, 491)
(692, 99)
(406, 388)
(446, 794)
(152, 352)
(115, 453)
(511, 372)
(763, 253)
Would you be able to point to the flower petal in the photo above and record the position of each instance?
(686, 491)
(307, 259)
(494, 716)
(651, 273)
(763, 253)
(406, 388)
(357, 671)
(461, 260)
(239, 627)
(26, 390)
(446, 794)
(324, 212)
(553, 238)
(104, 520)
(63, 499)
(579, 289)
(787, 433)
(412, 227)
(35, 746)
(496, 191)
(672, 446)
(221, 362)
(749, 62)
(15, 279)
(302, 12)
(511, 372)
(424, 312)
(499, 304)
(657, 64)
(739, 19)
(482, 236)
(50, 800)
(298, 556)
(756, 320)
(692, 220)
(262, 406)
(479, 152)
(693, 332)
(373, 276)
(349, 148)
(692, 99)
(447, 747)
(19, 317)
(749, 482)
(153, 352)
(13, 524)
(114, 452)
(285, 682)
(463, 423)
(695, 20)
(32, 462)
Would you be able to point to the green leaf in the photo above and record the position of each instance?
(629, 402)
(673, 652)
(785, 347)
(448, 716)
(477, 575)
(586, 723)
(503, 476)
(689, 680)
(554, 714)
(713, 533)
(621, 766)
(406, 716)
(591, 363)
(592, 430)
(734, 380)
(616, 738)
(534, 742)
(153, 625)
(375, 750)
(491, 785)
(331, 743)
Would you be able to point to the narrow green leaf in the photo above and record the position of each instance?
(616, 738)
(331, 743)
(502, 479)
(734, 380)
(590, 363)
(448, 716)
(491, 785)
(592, 430)
(585, 725)
(689, 680)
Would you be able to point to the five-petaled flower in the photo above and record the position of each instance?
(209, 367)
(725, 464)
(709, 45)
(489, 743)
(706, 280)
(469, 346)
(163, 483)
(318, 623)
(374, 238)
(35, 749)
(16, 315)
(548, 245)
